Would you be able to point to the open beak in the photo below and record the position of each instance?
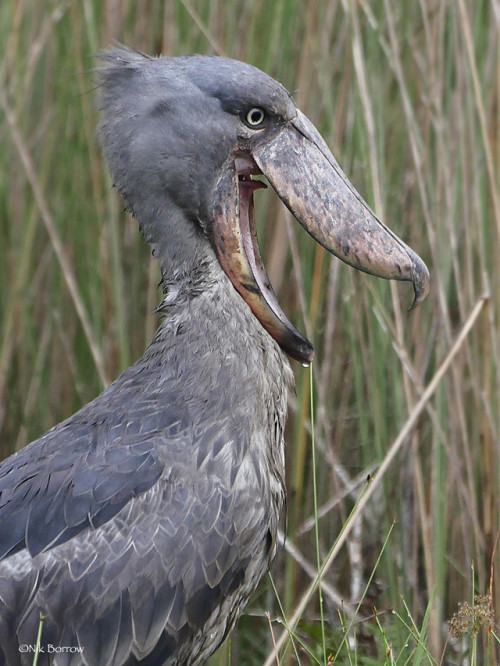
(306, 176)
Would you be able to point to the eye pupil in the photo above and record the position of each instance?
(255, 116)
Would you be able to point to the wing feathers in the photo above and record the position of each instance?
(45, 500)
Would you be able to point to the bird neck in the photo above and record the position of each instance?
(187, 258)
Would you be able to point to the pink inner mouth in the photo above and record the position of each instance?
(247, 186)
(246, 168)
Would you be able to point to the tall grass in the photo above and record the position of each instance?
(408, 97)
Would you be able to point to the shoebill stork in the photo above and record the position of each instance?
(140, 526)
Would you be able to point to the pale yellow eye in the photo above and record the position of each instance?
(255, 116)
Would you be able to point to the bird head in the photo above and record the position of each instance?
(190, 133)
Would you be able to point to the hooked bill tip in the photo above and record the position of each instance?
(421, 281)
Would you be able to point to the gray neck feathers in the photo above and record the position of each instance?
(187, 258)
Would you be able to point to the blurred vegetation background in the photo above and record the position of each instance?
(407, 94)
